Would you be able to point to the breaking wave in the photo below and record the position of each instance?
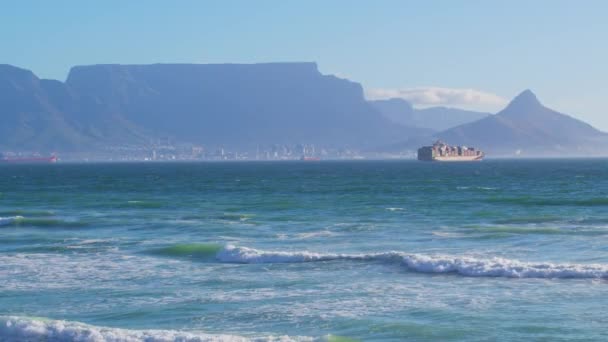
(13, 329)
(483, 188)
(7, 221)
(461, 265)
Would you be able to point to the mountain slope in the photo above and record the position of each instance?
(526, 126)
(232, 105)
(31, 117)
(47, 115)
(435, 118)
(237, 105)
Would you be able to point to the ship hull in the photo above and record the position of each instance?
(457, 158)
(443, 152)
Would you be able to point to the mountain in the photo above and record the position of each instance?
(47, 115)
(237, 104)
(245, 105)
(442, 118)
(32, 118)
(434, 118)
(234, 105)
(527, 127)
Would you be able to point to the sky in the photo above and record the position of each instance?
(471, 54)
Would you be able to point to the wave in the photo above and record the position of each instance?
(440, 264)
(7, 221)
(41, 329)
(447, 234)
(234, 217)
(541, 230)
(315, 234)
(39, 222)
(529, 219)
(483, 188)
(198, 250)
(145, 204)
(28, 213)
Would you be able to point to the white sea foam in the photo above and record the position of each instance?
(462, 265)
(447, 234)
(14, 329)
(95, 241)
(315, 234)
(247, 255)
(4, 221)
(486, 188)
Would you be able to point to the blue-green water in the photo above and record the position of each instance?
(497, 250)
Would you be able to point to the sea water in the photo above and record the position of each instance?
(305, 251)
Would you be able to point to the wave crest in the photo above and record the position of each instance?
(40, 329)
(6, 221)
(39, 222)
(462, 265)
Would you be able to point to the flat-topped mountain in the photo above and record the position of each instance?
(247, 105)
(434, 118)
(237, 105)
(527, 127)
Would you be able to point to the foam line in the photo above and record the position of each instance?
(13, 329)
(461, 265)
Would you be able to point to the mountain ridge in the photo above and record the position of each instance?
(247, 105)
(240, 105)
(437, 118)
(526, 126)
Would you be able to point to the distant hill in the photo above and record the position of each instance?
(527, 127)
(434, 118)
(234, 105)
(47, 115)
(31, 115)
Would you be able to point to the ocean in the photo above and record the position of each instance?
(499, 250)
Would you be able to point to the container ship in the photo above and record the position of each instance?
(441, 151)
(32, 159)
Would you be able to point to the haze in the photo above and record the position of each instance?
(374, 80)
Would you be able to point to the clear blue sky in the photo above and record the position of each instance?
(556, 48)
